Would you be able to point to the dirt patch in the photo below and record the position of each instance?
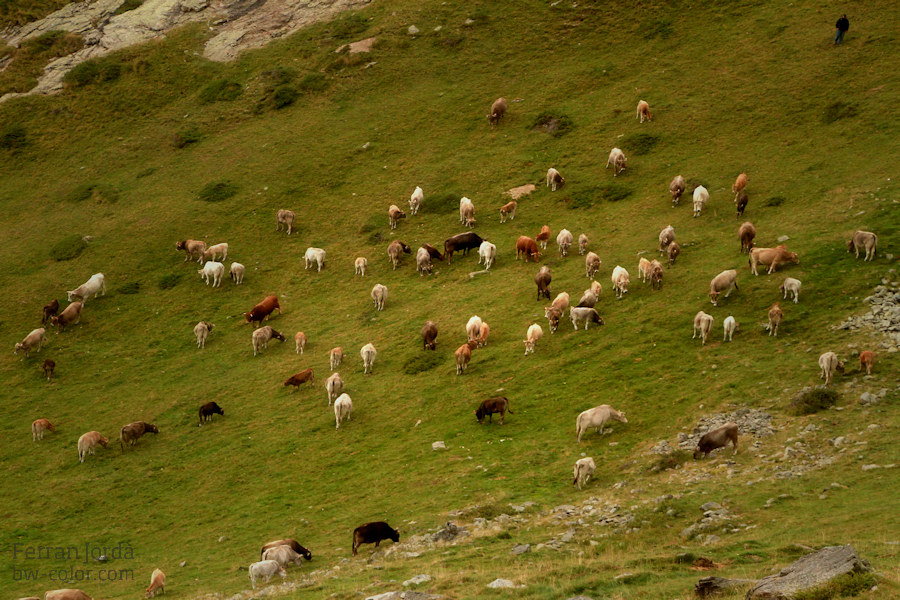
(357, 47)
(518, 192)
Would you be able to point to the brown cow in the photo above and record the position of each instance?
(373, 533)
(429, 335)
(673, 251)
(463, 355)
(741, 202)
(66, 594)
(866, 361)
(49, 366)
(746, 233)
(739, 184)
(775, 318)
(656, 275)
(394, 215)
(261, 311)
(490, 406)
(543, 237)
(89, 441)
(771, 256)
(643, 110)
(208, 410)
(70, 316)
(508, 211)
(131, 433)
(433, 252)
(39, 427)
(461, 242)
(396, 250)
(717, 438)
(292, 544)
(192, 247)
(498, 109)
(542, 280)
(157, 584)
(50, 309)
(527, 247)
(297, 379)
(676, 188)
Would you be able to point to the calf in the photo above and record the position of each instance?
(236, 272)
(533, 336)
(48, 367)
(292, 544)
(582, 244)
(283, 555)
(866, 361)
(676, 188)
(702, 326)
(527, 248)
(89, 441)
(191, 248)
(487, 253)
(214, 270)
(463, 355)
(483, 336)
(368, 355)
(201, 332)
(542, 281)
(207, 411)
(656, 275)
(396, 250)
(461, 242)
(299, 342)
(644, 269)
(643, 111)
(508, 211)
(498, 109)
(394, 216)
(423, 262)
(342, 408)
(717, 438)
(865, 240)
(730, 326)
(50, 309)
(701, 197)
(775, 318)
(554, 179)
(617, 160)
(741, 201)
(564, 241)
(215, 250)
(94, 285)
(620, 281)
(726, 281)
(70, 316)
(415, 200)
(265, 569)
(314, 256)
(588, 315)
(300, 378)
(467, 212)
(772, 257)
(379, 295)
(33, 340)
(157, 584)
(334, 387)
(261, 337)
(360, 265)
(673, 251)
(543, 237)
(553, 316)
(746, 233)
(131, 433)
(829, 363)
(597, 418)
(739, 184)
(373, 533)
(791, 286)
(591, 264)
(286, 218)
(39, 427)
(261, 311)
(584, 470)
(488, 407)
(429, 335)
(335, 357)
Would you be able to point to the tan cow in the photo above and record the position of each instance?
(866, 240)
(33, 340)
(746, 233)
(597, 418)
(157, 584)
(286, 218)
(617, 159)
(379, 295)
(334, 386)
(360, 265)
(829, 363)
(564, 241)
(726, 281)
(591, 264)
(201, 331)
(656, 275)
(467, 212)
(498, 109)
(396, 250)
(40, 426)
(644, 269)
(191, 248)
(543, 237)
(554, 179)
(335, 357)
(508, 211)
(620, 280)
(584, 470)
(643, 112)
(89, 441)
(582, 244)
(676, 188)
(463, 355)
(772, 257)
(702, 326)
(673, 251)
(775, 318)
(66, 594)
(739, 184)
(867, 361)
(533, 336)
(666, 237)
(299, 342)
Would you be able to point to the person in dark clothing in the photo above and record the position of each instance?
(842, 26)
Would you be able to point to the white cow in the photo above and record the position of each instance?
(35, 338)
(334, 385)
(94, 286)
(564, 241)
(791, 286)
(829, 363)
(237, 273)
(702, 326)
(467, 212)
(361, 264)
(487, 252)
(620, 280)
(368, 355)
(617, 160)
(415, 201)
(213, 269)
(265, 569)
(584, 470)
(583, 313)
(701, 197)
(596, 418)
(423, 262)
(644, 269)
(534, 334)
(215, 250)
(730, 327)
(473, 328)
(283, 555)
(379, 295)
(314, 256)
(342, 407)
(591, 264)
(201, 330)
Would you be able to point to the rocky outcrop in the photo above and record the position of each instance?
(883, 316)
(811, 571)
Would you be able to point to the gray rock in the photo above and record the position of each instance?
(413, 30)
(501, 583)
(438, 446)
(521, 549)
(709, 586)
(182, 563)
(222, 539)
(711, 539)
(418, 579)
(870, 467)
(783, 238)
(813, 570)
(449, 533)
(867, 398)
(711, 506)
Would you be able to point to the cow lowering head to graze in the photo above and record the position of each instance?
(50, 309)
(236, 272)
(617, 160)
(373, 533)
(343, 406)
(487, 253)
(656, 275)
(48, 367)
(676, 188)
(591, 264)
(597, 417)
(584, 470)
(589, 299)
(701, 197)
(463, 355)
(542, 281)
(283, 555)
(360, 265)
(213, 251)
(583, 242)
(157, 584)
(298, 379)
(314, 256)
(334, 387)
(776, 316)
(534, 334)
(726, 281)
(584, 314)
(666, 237)
(286, 218)
(429, 335)
(746, 233)
(299, 342)
(461, 242)
(498, 109)
(527, 248)
(433, 252)
(131, 433)
(335, 357)
(467, 212)
(33, 340)
(39, 427)
(866, 361)
(543, 237)
(791, 287)
(368, 355)
(290, 543)
(620, 281)
(717, 438)
(829, 363)
(396, 250)
(70, 316)
(264, 570)
(644, 269)
(741, 201)
(379, 295)
(260, 338)
(261, 311)
(394, 216)
(564, 241)
(489, 407)
(66, 594)
(94, 285)
(560, 303)
(730, 326)
(192, 248)
(416, 200)
(423, 262)
(702, 326)
(213, 270)
(643, 111)
(864, 240)
(553, 317)
(773, 257)
(508, 211)
(207, 411)
(89, 441)
(483, 336)
(473, 328)
(672, 252)
(554, 179)
(739, 184)
(201, 332)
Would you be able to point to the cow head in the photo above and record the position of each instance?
(479, 414)
(698, 453)
(103, 441)
(19, 347)
(180, 245)
(431, 345)
(840, 367)
(793, 257)
(715, 298)
(850, 246)
(151, 428)
(277, 335)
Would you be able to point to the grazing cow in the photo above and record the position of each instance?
(772, 257)
(866, 361)
(543, 237)
(489, 407)
(588, 315)
(560, 303)
(48, 367)
(527, 248)
(483, 336)
(394, 216)
(261, 337)
(429, 335)
(582, 244)
(433, 252)
(702, 326)
(415, 200)
(66, 594)
(717, 438)
(666, 237)
(730, 326)
(207, 411)
(487, 253)
(617, 160)
(314, 256)
(584, 470)
(213, 269)
(865, 240)
(791, 286)
(508, 211)
(88, 442)
(676, 188)
(466, 212)
(70, 316)
(215, 250)
(50, 309)
(373, 533)
(157, 584)
(596, 288)
(131, 433)
(620, 280)
(726, 281)
(334, 387)
(201, 332)
(542, 281)
(564, 241)
(94, 285)
(597, 418)
(701, 197)
(533, 336)
(746, 233)
(283, 555)
(591, 264)
(379, 295)
(290, 543)
(423, 262)
(33, 340)
(463, 355)
(829, 363)
(498, 109)
(644, 269)
(261, 311)
(286, 218)
(39, 427)
(739, 184)
(396, 250)
(192, 247)
(588, 299)
(656, 275)
(335, 357)
(368, 355)
(554, 179)
(237, 273)
(299, 342)
(775, 318)
(342, 407)
(360, 266)
(461, 242)
(673, 251)
(265, 569)
(296, 380)
(553, 316)
(643, 111)
(741, 201)
(473, 328)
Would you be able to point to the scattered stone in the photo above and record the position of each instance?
(711, 506)
(413, 30)
(580, 598)
(521, 549)
(501, 583)
(418, 579)
(222, 539)
(438, 28)
(711, 539)
(870, 467)
(750, 421)
(709, 586)
(783, 238)
(182, 563)
(623, 576)
(866, 398)
(438, 446)
(810, 571)
(449, 533)
(662, 448)
(468, 22)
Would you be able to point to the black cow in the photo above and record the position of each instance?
(295, 546)
(493, 405)
(208, 410)
(373, 533)
(461, 242)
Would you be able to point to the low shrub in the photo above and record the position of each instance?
(670, 461)
(217, 191)
(421, 362)
(845, 586)
(555, 124)
(132, 287)
(68, 248)
(221, 90)
(639, 144)
(169, 281)
(587, 197)
(13, 137)
(186, 137)
(100, 193)
(348, 26)
(95, 71)
(314, 82)
(284, 95)
(811, 400)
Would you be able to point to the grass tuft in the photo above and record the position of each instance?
(128, 5)
(169, 280)
(221, 90)
(811, 400)
(13, 138)
(313, 82)
(670, 461)
(774, 201)
(68, 248)
(441, 204)
(837, 111)
(217, 191)
(420, 363)
(100, 193)
(94, 71)
(186, 137)
(640, 144)
(284, 95)
(556, 124)
(132, 287)
(347, 27)
(845, 586)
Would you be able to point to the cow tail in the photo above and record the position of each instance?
(735, 285)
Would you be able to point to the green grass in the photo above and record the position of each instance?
(28, 60)
(739, 94)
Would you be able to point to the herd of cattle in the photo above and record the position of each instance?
(277, 555)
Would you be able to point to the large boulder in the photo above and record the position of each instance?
(811, 571)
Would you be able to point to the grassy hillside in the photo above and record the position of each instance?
(124, 155)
